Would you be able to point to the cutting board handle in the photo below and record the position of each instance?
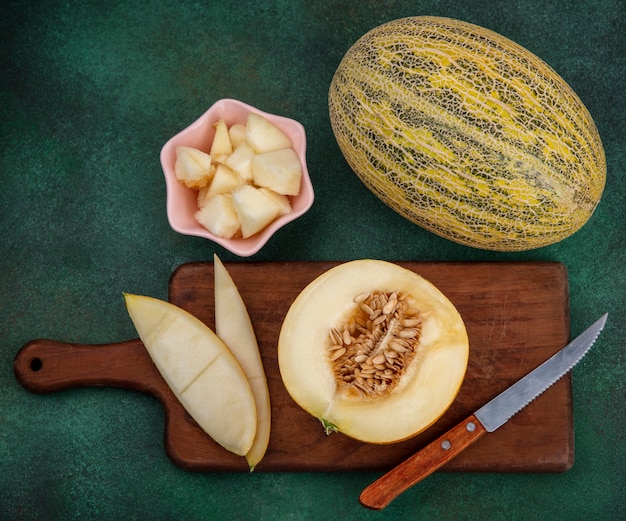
(44, 366)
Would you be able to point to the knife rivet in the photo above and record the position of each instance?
(445, 445)
(471, 427)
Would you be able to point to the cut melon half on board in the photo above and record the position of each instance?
(199, 368)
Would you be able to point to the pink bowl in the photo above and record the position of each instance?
(182, 201)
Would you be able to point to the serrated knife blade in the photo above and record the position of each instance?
(488, 418)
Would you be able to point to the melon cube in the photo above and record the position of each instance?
(254, 210)
(224, 180)
(192, 166)
(280, 199)
(237, 134)
(203, 196)
(218, 215)
(221, 142)
(264, 136)
(280, 171)
(241, 160)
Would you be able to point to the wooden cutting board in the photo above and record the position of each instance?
(517, 316)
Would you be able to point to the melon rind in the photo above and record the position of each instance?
(467, 134)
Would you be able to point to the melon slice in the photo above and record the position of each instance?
(233, 326)
(373, 350)
(200, 370)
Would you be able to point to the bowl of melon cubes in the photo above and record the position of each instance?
(236, 175)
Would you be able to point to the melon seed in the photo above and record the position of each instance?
(371, 349)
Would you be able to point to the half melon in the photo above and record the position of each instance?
(373, 350)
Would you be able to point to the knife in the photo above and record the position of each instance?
(488, 418)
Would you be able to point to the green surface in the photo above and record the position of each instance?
(90, 91)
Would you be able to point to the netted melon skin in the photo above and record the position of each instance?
(467, 134)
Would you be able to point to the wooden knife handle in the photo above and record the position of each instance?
(44, 366)
(380, 493)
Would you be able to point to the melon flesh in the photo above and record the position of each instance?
(243, 159)
(201, 371)
(192, 167)
(233, 326)
(218, 215)
(427, 386)
(254, 210)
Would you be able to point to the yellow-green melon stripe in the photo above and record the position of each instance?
(450, 52)
(377, 121)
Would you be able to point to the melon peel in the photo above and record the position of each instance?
(410, 388)
(467, 134)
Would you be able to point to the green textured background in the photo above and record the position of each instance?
(90, 92)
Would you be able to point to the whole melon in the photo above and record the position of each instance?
(467, 134)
